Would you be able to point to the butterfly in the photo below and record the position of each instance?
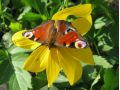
(59, 33)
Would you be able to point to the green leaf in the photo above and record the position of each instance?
(14, 50)
(61, 81)
(39, 81)
(6, 70)
(18, 59)
(71, 18)
(49, 88)
(44, 88)
(20, 80)
(33, 3)
(111, 79)
(99, 60)
(3, 55)
(7, 39)
(18, 55)
(89, 74)
(95, 81)
(15, 26)
(105, 45)
(113, 56)
(26, 10)
(53, 88)
(99, 23)
(107, 48)
(34, 17)
(53, 11)
(7, 16)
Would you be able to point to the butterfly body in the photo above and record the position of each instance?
(61, 35)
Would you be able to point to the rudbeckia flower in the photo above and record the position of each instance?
(56, 59)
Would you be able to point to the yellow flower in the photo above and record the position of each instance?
(55, 59)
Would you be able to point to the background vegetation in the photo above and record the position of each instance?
(17, 15)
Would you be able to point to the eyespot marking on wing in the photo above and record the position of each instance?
(80, 44)
(28, 34)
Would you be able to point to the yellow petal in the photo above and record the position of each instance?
(23, 42)
(71, 67)
(53, 66)
(82, 54)
(78, 10)
(44, 58)
(33, 63)
(83, 25)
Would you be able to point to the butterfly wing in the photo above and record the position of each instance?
(42, 33)
(67, 36)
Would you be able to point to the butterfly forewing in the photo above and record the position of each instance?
(41, 33)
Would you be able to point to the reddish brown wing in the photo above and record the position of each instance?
(41, 33)
(67, 36)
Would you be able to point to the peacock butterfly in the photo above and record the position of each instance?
(59, 33)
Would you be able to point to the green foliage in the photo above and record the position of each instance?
(15, 26)
(20, 80)
(102, 62)
(6, 71)
(16, 15)
(110, 79)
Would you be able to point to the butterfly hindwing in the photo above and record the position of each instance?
(68, 36)
(42, 33)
